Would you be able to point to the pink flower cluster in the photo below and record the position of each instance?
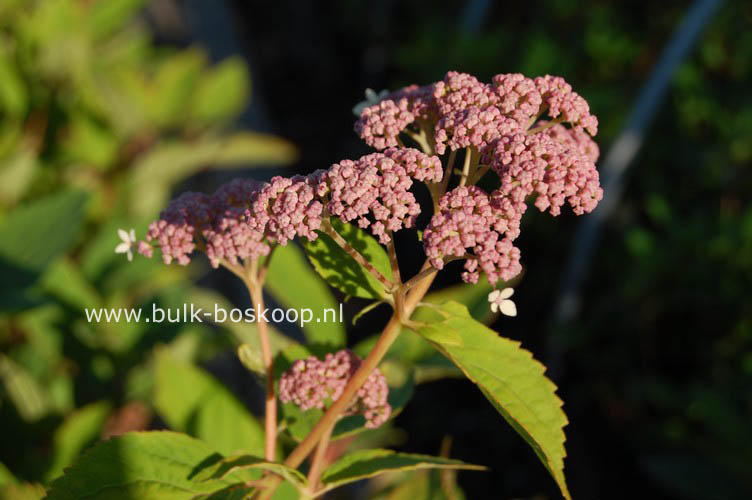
(471, 220)
(466, 112)
(534, 157)
(312, 383)
(377, 186)
(216, 222)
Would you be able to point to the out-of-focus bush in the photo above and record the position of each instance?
(97, 126)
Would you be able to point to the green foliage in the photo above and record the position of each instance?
(154, 465)
(294, 284)
(192, 401)
(340, 270)
(369, 463)
(510, 378)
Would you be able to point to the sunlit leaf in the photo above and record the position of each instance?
(510, 378)
(192, 401)
(340, 270)
(369, 463)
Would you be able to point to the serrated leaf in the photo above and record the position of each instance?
(510, 378)
(293, 283)
(156, 172)
(154, 465)
(222, 91)
(229, 465)
(191, 400)
(369, 463)
(342, 271)
(79, 429)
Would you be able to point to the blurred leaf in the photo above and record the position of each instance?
(510, 378)
(27, 396)
(153, 465)
(80, 429)
(294, 284)
(175, 82)
(368, 463)
(13, 91)
(421, 485)
(222, 91)
(22, 491)
(155, 173)
(6, 477)
(106, 16)
(31, 237)
(16, 174)
(342, 271)
(87, 142)
(191, 400)
(65, 281)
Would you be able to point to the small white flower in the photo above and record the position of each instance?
(371, 98)
(128, 241)
(500, 302)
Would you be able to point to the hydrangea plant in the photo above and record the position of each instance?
(483, 151)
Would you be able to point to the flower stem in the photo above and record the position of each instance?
(318, 459)
(466, 167)
(255, 283)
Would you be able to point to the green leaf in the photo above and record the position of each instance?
(22, 491)
(293, 283)
(28, 396)
(510, 378)
(6, 476)
(32, 236)
(153, 465)
(156, 172)
(80, 428)
(174, 84)
(106, 16)
(342, 271)
(229, 465)
(368, 463)
(191, 400)
(222, 92)
(13, 94)
(16, 174)
(65, 281)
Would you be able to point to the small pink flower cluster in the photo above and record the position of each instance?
(378, 185)
(312, 383)
(216, 222)
(470, 219)
(287, 207)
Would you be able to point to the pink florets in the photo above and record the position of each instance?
(217, 222)
(418, 165)
(458, 91)
(558, 95)
(177, 226)
(553, 165)
(374, 187)
(380, 124)
(472, 126)
(312, 383)
(470, 220)
(287, 207)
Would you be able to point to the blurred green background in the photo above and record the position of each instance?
(107, 108)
